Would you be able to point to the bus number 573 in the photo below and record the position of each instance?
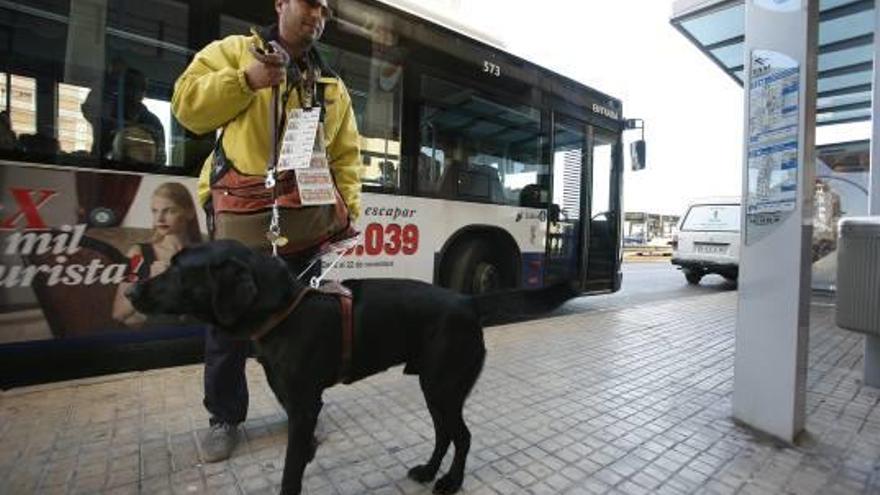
(492, 69)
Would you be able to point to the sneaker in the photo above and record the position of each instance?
(218, 443)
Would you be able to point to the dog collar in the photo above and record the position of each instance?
(277, 318)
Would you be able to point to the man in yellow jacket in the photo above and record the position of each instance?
(226, 87)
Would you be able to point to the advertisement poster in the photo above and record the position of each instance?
(71, 241)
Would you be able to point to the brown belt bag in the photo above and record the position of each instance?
(242, 210)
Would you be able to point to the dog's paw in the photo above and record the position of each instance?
(448, 484)
(422, 474)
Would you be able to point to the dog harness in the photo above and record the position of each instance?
(342, 293)
(345, 303)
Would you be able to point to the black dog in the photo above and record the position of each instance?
(436, 332)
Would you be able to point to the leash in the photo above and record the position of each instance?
(273, 235)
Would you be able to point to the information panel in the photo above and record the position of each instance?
(772, 141)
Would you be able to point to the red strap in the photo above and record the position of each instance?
(277, 318)
(335, 288)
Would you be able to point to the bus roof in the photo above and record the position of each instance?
(445, 18)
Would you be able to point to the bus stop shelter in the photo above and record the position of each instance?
(826, 50)
(845, 52)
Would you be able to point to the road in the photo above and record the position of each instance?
(647, 281)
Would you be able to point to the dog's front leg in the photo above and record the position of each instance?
(301, 421)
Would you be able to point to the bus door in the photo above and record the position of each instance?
(565, 259)
(604, 205)
(583, 233)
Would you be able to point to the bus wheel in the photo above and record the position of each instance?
(474, 270)
(486, 278)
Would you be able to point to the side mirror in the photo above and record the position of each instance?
(637, 154)
(637, 148)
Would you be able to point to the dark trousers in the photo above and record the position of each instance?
(226, 392)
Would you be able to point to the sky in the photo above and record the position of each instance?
(628, 49)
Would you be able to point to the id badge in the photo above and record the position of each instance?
(316, 186)
(298, 143)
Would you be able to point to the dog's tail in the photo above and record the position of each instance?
(509, 305)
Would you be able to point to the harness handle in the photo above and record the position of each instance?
(340, 248)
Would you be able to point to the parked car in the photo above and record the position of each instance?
(708, 240)
(634, 240)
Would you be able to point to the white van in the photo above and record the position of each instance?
(708, 239)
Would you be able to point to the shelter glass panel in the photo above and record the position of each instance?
(830, 4)
(730, 56)
(843, 58)
(845, 115)
(833, 101)
(844, 81)
(717, 26)
(846, 27)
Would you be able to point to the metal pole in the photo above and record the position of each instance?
(874, 181)
(773, 317)
(872, 342)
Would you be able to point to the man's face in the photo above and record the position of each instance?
(301, 21)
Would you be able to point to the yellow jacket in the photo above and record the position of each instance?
(212, 93)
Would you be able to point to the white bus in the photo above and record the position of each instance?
(482, 171)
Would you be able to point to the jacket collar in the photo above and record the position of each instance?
(270, 33)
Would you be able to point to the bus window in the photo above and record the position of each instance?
(74, 131)
(375, 87)
(100, 82)
(18, 100)
(603, 146)
(474, 149)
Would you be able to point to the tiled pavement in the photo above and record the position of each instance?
(630, 401)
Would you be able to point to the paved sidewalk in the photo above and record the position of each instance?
(628, 401)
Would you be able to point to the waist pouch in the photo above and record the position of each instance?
(242, 209)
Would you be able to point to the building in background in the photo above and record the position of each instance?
(640, 228)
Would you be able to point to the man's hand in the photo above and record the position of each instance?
(267, 72)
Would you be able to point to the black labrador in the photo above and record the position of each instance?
(437, 333)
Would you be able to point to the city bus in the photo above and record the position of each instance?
(481, 171)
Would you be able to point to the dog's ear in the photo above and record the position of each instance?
(234, 291)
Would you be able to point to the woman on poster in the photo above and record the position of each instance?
(175, 226)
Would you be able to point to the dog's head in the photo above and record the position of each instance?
(223, 283)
